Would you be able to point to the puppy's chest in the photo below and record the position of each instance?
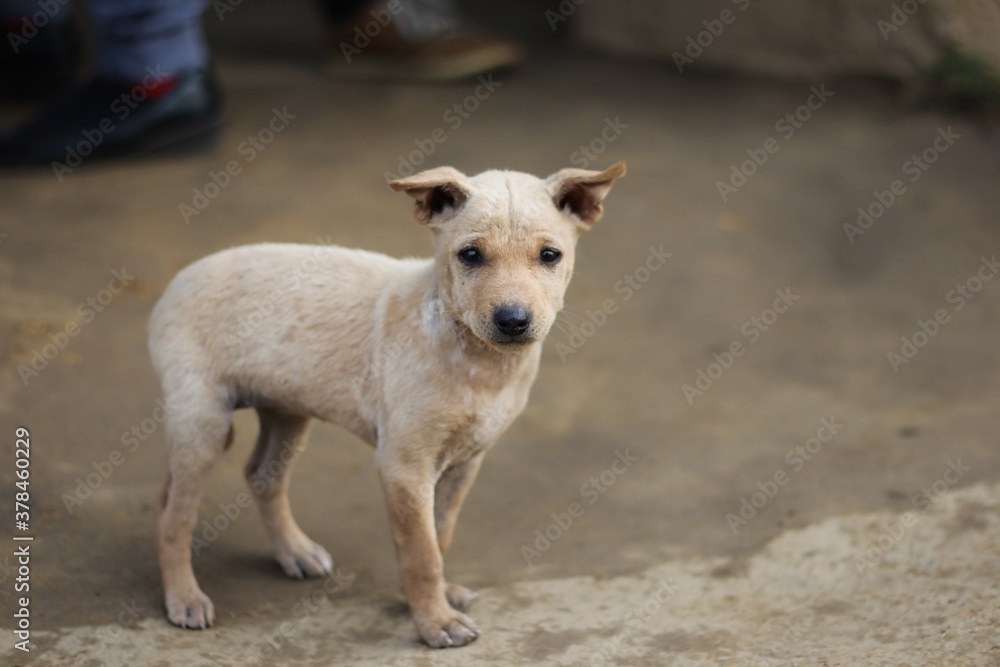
(475, 431)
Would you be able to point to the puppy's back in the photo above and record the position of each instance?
(272, 320)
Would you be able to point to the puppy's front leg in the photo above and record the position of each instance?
(409, 495)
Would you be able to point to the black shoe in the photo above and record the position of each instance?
(102, 120)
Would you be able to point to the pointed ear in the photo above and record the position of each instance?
(580, 192)
(440, 193)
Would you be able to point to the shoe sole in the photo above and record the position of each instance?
(182, 136)
(435, 70)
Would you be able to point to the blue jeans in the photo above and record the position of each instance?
(133, 36)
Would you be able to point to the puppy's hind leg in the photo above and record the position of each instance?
(197, 434)
(282, 438)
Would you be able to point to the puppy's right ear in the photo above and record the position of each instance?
(440, 193)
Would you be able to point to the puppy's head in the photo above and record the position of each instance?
(504, 243)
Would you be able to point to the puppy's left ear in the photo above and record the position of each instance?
(580, 192)
(440, 193)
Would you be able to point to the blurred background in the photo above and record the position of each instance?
(800, 360)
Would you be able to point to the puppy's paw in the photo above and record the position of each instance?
(454, 629)
(459, 597)
(190, 609)
(304, 558)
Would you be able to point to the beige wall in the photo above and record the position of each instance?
(795, 38)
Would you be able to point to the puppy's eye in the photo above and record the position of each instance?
(549, 256)
(471, 256)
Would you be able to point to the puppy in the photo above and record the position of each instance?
(427, 360)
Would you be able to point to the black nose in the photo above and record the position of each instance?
(512, 321)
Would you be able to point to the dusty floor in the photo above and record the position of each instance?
(877, 542)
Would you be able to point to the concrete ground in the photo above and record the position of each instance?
(812, 505)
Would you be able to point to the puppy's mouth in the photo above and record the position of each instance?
(510, 343)
(504, 342)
